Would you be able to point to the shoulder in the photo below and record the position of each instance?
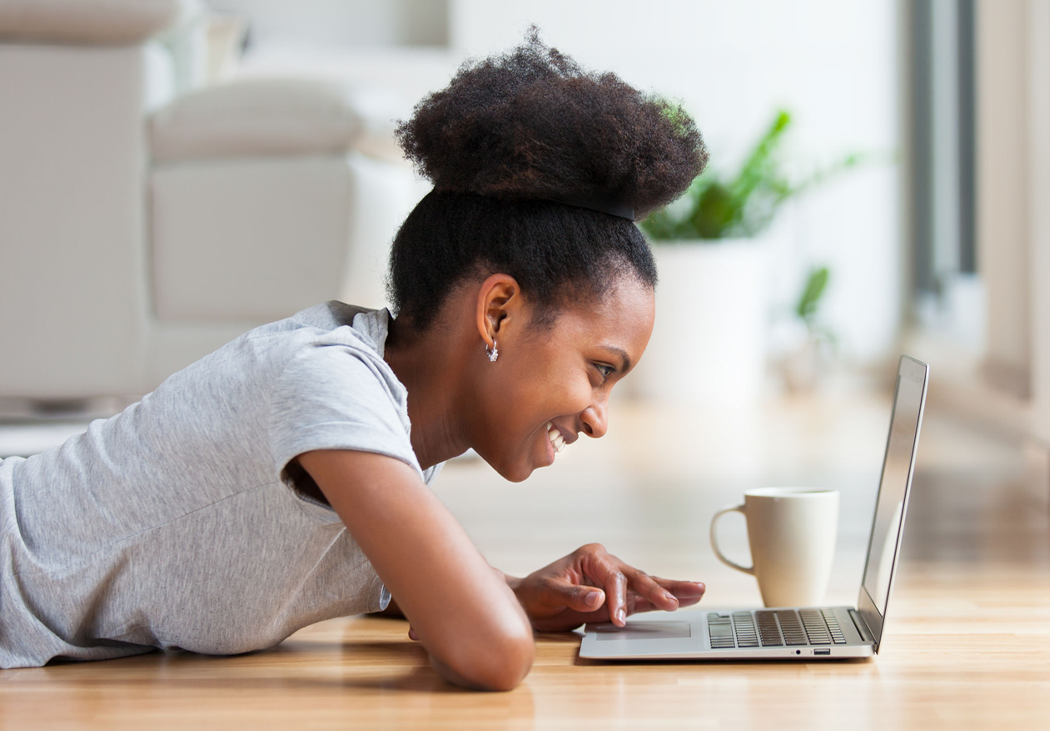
(277, 346)
(329, 352)
(335, 390)
(332, 363)
(332, 322)
(334, 339)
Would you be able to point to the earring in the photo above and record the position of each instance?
(492, 352)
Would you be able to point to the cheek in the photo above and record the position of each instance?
(546, 384)
(510, 407)
(531, 389)
(527, 391)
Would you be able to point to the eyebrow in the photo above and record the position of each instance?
(620, 352)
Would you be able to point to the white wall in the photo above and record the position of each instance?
(1038, 36)
(833, 64)
(1002, 185)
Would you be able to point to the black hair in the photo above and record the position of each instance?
(509, 137)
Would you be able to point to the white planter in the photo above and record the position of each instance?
(709, 341)
(800, 366)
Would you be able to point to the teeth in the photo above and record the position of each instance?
(556, 438)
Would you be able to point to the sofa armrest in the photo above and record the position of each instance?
(275, 117)
(91, 22)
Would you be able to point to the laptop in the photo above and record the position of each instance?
(798, 633)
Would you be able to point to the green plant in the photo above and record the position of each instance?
(806, 308)
(743, 206)
(809, 302)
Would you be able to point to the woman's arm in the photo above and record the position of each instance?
(461, 610)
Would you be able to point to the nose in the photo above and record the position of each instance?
(594, 420)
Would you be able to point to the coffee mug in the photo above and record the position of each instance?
(791, 531)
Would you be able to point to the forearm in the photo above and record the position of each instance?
(461, 611)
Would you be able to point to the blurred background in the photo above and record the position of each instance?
(175, 172)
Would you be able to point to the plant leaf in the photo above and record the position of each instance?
(761, 167)
(714, 212)
(811, 294)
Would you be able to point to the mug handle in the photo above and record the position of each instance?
(714, 540)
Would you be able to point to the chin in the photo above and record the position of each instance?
(507, 466)
(516, 473)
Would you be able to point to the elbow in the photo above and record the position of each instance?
(498, 664)
(511, 664)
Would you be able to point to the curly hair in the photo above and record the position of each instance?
(509, 139)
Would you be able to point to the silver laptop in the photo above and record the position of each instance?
(798, 633)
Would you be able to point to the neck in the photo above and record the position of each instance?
(427, 364)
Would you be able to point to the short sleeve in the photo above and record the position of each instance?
(336, 395)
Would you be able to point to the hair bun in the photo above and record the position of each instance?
(532, 124)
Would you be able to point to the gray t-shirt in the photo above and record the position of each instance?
(175, 524)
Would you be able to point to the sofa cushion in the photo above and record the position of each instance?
(267, 117)
(91, 22)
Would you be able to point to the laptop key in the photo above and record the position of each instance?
(815, 626)
(837, 635)
(791, 627)
(768, 629)
(744, 624)
(720, 631)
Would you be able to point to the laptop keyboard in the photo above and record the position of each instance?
(774, 628)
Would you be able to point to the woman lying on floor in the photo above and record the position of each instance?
(282, 480)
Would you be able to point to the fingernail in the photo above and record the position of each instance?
(668, 596)
(621, 615)
(593, 598)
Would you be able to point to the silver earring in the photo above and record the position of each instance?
(492, 352)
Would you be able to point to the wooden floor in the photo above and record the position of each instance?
(968, 635)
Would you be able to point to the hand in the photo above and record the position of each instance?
(591, 585)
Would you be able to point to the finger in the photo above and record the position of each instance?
(600, 566)
(644, 585)
(579, 597)
(688, 593)
(683, 588)
(638, 604)
(412, 635)
(616, 597)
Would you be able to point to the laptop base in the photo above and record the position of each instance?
(781, 633)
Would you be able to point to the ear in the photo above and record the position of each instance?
(499, 307)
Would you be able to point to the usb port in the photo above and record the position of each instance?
(822, 651)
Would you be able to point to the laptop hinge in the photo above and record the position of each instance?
(861, 625)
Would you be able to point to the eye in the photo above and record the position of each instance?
(605, 369)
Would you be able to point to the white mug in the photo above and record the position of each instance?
(791, 531)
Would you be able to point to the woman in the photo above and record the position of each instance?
(282, 480)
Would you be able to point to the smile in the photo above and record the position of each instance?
(556, 438)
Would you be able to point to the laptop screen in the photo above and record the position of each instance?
(896, 477)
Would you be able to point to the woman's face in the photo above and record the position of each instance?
(551, 384)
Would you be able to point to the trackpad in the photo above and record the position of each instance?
(643, 631)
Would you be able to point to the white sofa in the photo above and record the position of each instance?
(145, 220)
